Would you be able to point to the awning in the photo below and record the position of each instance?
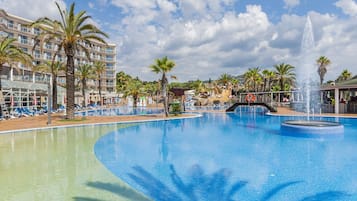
(7, 84)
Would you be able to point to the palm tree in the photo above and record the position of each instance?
(285, 76)
(252, 78)
(322, 62)
(84, 72)
(121, 80)
(99, 69)
(345, 75)
(71, 32)
(54, 68)
(268, 76)
(225, 79)
(135, 89)
(10, 54)
(163, 66)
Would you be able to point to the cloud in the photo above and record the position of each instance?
(90, 4)
(205, 43)
(39, 8)
(208, 38)
(349, 7)
(291, 3)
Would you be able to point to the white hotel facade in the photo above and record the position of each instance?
(22, 87)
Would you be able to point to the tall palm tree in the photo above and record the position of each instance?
(54, 68)
(10, 54)
(268, 76)
(252, 78)
(84, 73)
(163, 66)
(72, 32)
(322, 63)
(99, 69)
(285, 76)
(345, 75)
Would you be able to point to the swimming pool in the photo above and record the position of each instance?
(235, 156)
(119, 111)
(58, 165)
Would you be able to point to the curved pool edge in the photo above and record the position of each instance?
(194, 115)
(316, 115)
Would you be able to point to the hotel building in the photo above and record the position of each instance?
(23, 87)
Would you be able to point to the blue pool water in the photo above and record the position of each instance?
(119, 111)
(235, 156)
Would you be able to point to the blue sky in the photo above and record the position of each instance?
(209, 38)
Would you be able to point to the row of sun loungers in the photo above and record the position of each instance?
(26, 112)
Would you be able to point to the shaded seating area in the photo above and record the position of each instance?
(340, 97)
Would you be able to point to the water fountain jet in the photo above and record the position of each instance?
(307, 81)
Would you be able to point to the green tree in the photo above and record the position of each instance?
(268, 77)
(198, 86)
(54, 68)
(252, 79)
(285, 76)
(151, 88)
(72, 32)
(99, 69)
(135, 89)
(122, 80)
(322, 63)
(163, 66)
(84, 73)
(345, 75)
(10, 54)
(225, 79)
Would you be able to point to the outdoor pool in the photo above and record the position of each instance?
(232, 157)
(219, 156)
(119, 111)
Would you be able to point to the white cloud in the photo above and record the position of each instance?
(349, 7)
(134, 6)
(90, 4)
(32, 9)
(206, 39)
(205, 43)
(166, 6)
(291, 3)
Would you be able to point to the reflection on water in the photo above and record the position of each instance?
(56, 164)
(231, 157)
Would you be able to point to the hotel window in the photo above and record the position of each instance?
(109, 58)
(10, 35)
(3, 34)
(36, 31)
(47, 55)
(110, 66)
(36, 62)
(24, 28)
(37, 54)
(59, 58)
(10, 24)
(48, 45)
(24, 49)
(109, 50)
(23, 39)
